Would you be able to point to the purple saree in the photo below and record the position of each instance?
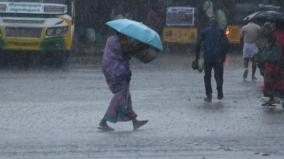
(117, 74)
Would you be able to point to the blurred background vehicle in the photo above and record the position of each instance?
(181, 23)
(37, 26)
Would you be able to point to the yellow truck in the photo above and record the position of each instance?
(37, 26)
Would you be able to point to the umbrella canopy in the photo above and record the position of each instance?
(262, 16)
(137, 31)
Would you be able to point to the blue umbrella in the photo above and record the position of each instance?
(137, 31)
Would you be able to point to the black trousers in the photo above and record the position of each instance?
(218, 68)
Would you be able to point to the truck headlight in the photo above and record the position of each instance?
(56, 31)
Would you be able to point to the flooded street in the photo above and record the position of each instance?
(54, 113)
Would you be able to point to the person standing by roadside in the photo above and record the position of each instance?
(215, 45)
(118, 75)
(208, 8)
(153, 20)
(249, 35)
(221, 15)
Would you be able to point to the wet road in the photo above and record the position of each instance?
(53, 114)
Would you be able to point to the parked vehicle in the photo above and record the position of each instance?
(180, 25)
(37, 26)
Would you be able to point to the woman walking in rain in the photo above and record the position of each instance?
(118, 75)
(269, 60)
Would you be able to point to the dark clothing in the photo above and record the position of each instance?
(215, 44)
(218, 75)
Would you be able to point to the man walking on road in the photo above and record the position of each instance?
(215, 45)
(249, 35)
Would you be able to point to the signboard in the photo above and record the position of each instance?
(24, 8)
(179, 35)
(180, 16)
(32, 8)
